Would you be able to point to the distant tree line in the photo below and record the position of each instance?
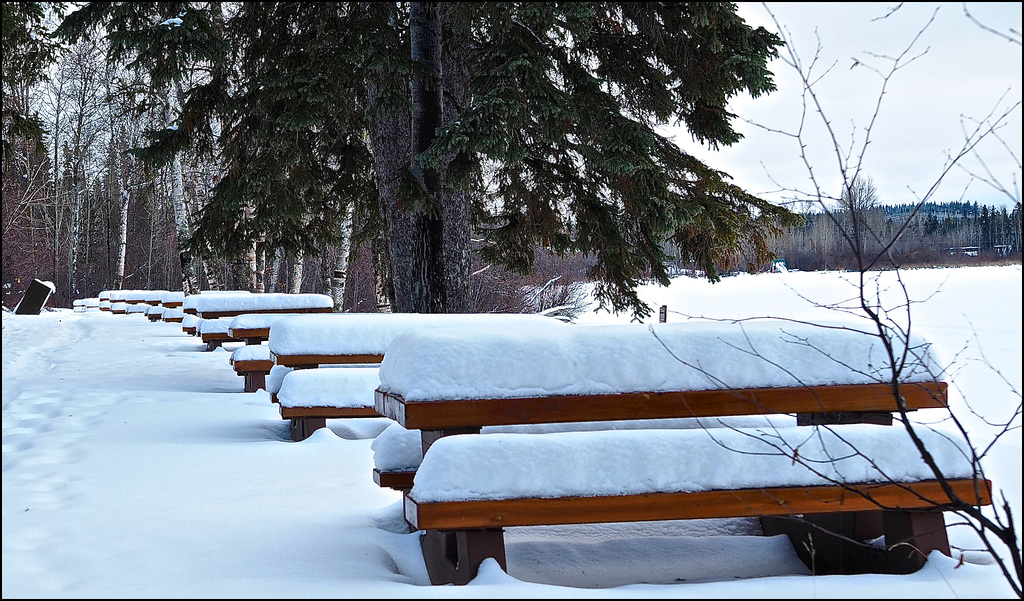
(938, 233)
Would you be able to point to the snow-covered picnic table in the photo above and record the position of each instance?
(231, 304)
(452, 383)
(364, 337)
(304, 341)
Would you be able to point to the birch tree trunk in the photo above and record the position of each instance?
(122, 235)
(182, 227)
(295, 283)
(338, 278)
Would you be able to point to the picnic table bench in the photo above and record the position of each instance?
(309, 397)
(214, 332)
(309, 341)
(253, 362)
(468, 487)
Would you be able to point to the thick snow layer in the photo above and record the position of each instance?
(252, 321)
(191, 301)
(215, 326)
(348, 386)
(172, 296)
(371, 333)
(400, 449)
(174, 313)
(269, 301)
(515, 362)
(251, 352)
(624, 462)
(276, 377)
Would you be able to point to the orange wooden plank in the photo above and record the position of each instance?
(754, 502)
(262, 333)
(308, 360)
(396, 480)
(253, 365)
(237, 312)
(327, 412)
(439, 415)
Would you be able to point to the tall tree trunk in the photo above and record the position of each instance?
(122, 237)
(426, 285)
(189, 273)
(338, 277)
(295, 283)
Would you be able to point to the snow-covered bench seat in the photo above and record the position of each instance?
(213, 306)
(154, 312)
(173, 315)
(351, 338)
(452, 384)
(469, 487)
(189, 324)
(214, 332)
(309, 397)
(253, 363)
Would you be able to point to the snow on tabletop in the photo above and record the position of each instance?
(173, 296)
(251, 352)
(215, 326)
(252, 321)
(347, 387)
(625, 462)
(371, 333)
(266, 301)
(400, 449)
(190, 301)
(155, 296)
(519, 362)
(174, 313)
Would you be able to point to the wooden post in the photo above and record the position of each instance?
(663, 314)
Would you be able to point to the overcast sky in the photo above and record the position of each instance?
(962, 75)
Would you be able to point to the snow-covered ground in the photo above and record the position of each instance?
(135, 466)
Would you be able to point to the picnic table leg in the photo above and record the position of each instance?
(429, 437)
(255, 380)
(845, 542)
(454, 556)
(910, 536)
(303, 427)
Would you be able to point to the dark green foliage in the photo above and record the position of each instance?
(562, 133)
(551, 130)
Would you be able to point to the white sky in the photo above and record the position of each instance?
(963, 72)
(135, 466)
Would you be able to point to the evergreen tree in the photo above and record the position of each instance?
(526, 124)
